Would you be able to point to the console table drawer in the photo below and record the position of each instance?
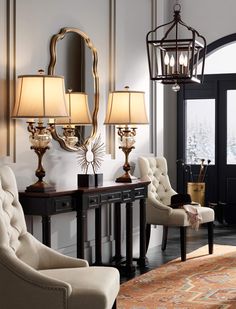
(140, 192)
(111, 197)
(64, 204)
(93, 200)
(127, 195)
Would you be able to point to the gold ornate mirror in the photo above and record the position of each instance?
(73, 56)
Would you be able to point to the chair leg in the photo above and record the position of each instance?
(164, 238)
(183, 233)
(148, 233)
(114, 305)
(210, 236)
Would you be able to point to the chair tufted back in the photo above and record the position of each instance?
(12, 222)
(13, 232)
(156, 169)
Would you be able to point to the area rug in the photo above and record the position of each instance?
(203, 281)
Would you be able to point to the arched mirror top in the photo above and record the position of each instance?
(88, 70)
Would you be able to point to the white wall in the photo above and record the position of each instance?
(213, 19)
(36, 21)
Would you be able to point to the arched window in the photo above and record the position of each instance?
(220, 58)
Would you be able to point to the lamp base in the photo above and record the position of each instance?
(124, 178)
(40, 186)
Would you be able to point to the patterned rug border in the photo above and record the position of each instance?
(131, 292)
(199, 253)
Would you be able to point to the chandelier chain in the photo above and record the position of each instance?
(177, 6)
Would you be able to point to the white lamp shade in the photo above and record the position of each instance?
(77, 105)
(126, 107)
(40, 96)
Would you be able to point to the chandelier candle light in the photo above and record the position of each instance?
(174, 57)
(126, 109)
(40, 96)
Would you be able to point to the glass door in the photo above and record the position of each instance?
(197, 137)
(207, 131)
(200, 131)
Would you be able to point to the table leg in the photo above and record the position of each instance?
(98, 236)
(46, 230)
(142, 261)
(81, 220)
(117, 231)
(129, 238)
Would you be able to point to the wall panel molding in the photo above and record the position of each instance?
(111, 130)
(7, 77)
(153, 91)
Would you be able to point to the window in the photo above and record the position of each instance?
(200, 130)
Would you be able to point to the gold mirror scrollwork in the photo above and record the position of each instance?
(69, 131)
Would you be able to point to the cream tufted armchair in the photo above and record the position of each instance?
(159, 197)
(33, 276)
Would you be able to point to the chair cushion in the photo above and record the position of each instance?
(92, 287)
(178, 217)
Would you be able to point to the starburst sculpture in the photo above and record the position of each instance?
(91, 155)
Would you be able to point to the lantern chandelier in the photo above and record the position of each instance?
(175, 60)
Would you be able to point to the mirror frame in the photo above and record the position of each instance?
(51, 71)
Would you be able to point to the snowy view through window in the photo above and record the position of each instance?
(231, 127)
(200, 131)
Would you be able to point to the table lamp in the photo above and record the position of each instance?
(126, 109)
(40, 96)
(79, 114)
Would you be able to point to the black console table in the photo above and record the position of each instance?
(82, 199)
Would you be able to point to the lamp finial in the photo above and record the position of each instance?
(41, 72)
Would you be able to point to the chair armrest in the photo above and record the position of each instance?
(160, 206)
(157, 213)
(23, 287)
(50, 258)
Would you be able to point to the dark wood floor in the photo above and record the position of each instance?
(223, 234)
